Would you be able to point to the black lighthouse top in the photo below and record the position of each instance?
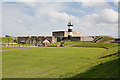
(70, 23)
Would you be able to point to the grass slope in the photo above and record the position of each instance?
(5, 39)
(104, 69)
(105, 38)
(106, 66)
(66, 43)
(102, 45)
(47, 62)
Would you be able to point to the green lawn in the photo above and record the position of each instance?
(48, 62)
(85, 60)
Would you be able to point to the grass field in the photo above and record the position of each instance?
(47, 62)
(60, 62)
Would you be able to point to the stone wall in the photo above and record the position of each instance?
(76, 39)
(87, 38)
(62, 35)
(23, 39)
(58, 34)
(54, 39)
(35, 39)
(40, 39)
(76, 34)
(72, 39)
(65, 34)
(49, 38)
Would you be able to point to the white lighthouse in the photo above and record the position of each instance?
(70, 27)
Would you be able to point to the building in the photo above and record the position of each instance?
(2, 35)
(36, 40)
(63, 36)
(88, 38)
(57, 36)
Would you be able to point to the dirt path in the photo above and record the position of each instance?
(34, 47)
(71, 45)
(17, 49)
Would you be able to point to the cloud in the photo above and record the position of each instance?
(103, 23)
(43, 18)
(32, 3)
(116, 3)
(109, 15)
(56, 16)
(61, 0)
(95, 4)
(20, 21)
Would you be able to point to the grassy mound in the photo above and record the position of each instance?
(102, 69)
(112, 48)
(66, 43)
(105, 38)
(5, 39)
(69, 43)
(106, 66)
(101, 45)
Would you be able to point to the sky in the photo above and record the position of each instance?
(42, 18)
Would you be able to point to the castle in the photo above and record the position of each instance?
(57, 36)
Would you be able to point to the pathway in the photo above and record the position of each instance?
(16, 49)
(71, 45)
